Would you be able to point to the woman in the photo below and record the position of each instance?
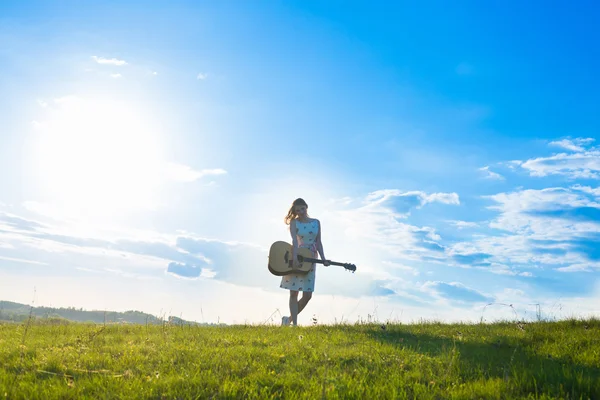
(306, 232)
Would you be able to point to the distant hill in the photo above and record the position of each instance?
(17, 312)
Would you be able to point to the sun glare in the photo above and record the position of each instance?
(97, 158)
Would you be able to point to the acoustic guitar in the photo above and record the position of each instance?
(280, 260)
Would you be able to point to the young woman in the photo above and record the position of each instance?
(306, 232)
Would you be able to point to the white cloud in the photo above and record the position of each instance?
(534, 235)
(513, 164)
(577, 145)
(490, 174)
(582, 165)
(116, 76)
(406, 200)
(184, 173)
(463, 224)
(579, 267)
(208, 273)
(109, 61)
(149, 255)
(201, 76)
(445, 198)
(587, 189)
(534, 199)
(435, 300)
(400, 267)
(554, 227)
(376, 223)
(22, 260)
(456, 291)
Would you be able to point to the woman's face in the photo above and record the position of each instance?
(300, 210)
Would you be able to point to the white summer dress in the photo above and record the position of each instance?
(306, 232)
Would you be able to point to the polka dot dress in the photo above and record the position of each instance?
(306, 233)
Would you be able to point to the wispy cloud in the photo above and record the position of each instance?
(444, 198)
(22, 260)
(183, 255)
(457, 292)
(16, 223)
(577, 145)
(533, 231)
(554, 227)
(141, 254)
(400, 267)
(201, 76)
(184, 173)
(401, 202)
(109, 61)
(587, 189)
(463, 224)
(377, 221)
(514, 164)
(583, 163)
(116, 76)
(588, 267)
(490, 174)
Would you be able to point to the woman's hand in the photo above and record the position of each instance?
(326, 263)
(296, 264)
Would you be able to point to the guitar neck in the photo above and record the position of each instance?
(318, 261)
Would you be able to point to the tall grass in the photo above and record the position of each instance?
(540, 360)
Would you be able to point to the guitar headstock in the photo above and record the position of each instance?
(350, 267)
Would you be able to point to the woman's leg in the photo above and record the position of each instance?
(306, 296)
(294, 306)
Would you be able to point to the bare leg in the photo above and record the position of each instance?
(294, 307)
(306, 296)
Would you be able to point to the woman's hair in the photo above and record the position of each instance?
(292, 212)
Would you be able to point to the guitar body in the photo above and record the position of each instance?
(280, 259)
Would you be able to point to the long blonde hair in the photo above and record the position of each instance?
(292, 211)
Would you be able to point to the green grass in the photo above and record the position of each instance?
(542, 360)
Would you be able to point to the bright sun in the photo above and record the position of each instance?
(98, 158)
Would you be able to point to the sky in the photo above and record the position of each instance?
(150, 151)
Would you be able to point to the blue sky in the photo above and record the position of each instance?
(150, 152)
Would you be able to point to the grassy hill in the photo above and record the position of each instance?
(17, 312)
(541, 360)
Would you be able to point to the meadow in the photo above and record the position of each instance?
(55, 359)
